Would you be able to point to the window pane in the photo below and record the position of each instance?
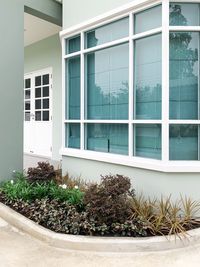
(73, 45)
(27, 94)
(37, 104)
(184, 75)
(45, 103)
(148, 19)
(45, 91)
(111, 138)
(27, 105)
(27, 116)
(108, 33)
(73, 135)
(45, 79)
(27, 83)
(38, 81)
(148, 77)
(73, 88)
(45, 115)
(107, 77)
(184, 14)
(148, 141)
(38, 115)
(183, 142)
(37, 92)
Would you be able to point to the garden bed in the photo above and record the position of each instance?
(111, 208)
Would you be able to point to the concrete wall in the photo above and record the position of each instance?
(76, 11)
(41, 55)
(151, 183)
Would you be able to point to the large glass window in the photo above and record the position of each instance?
(107, 33)
(184, 73)
(110, 138)
(73, 89)
(184, 14)
(148, 76)
(107, 83)
(183, 142)
(120, 97)
(148, 19)
(147, 141)
(72, 135)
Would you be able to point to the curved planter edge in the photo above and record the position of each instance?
(97, 244)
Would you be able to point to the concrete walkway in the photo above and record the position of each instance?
(20, 250)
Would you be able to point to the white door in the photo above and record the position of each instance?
(37, 113)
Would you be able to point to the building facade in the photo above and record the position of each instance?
(115, 91)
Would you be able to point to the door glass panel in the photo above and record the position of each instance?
(45, 103)
(27, 116)
(45, 91)
(45, 79)
(45, 115)
(27, 105)
(27, 83)
(37, 104)
(37, 92)
(38, 81)
(38, 115)
(27, 94)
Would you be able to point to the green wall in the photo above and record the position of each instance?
(76, 11)
(11, 84)
(12, 75)
(41, 55)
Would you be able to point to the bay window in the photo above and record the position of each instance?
(132, 86)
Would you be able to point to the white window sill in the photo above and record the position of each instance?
(143, 163)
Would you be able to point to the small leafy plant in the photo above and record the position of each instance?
(44, 172)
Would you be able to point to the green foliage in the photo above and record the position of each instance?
(20, 188)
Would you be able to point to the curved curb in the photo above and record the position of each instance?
(96, 244)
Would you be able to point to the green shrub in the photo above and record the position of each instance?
(22, 189)
(44, 172)
(108, 202)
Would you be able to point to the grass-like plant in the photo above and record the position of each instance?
(166, 217)
(21, 188)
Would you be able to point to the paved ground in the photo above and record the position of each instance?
(20, 250)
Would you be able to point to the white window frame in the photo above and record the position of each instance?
(163, 165)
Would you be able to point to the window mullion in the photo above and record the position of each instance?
(131, 55)
(165, 81)
(82, 109)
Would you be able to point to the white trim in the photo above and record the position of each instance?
(123, 11)
(137, 162)
(165, 81)
(184, 28)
